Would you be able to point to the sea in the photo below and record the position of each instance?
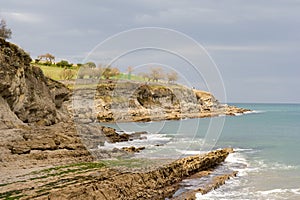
(266, 142)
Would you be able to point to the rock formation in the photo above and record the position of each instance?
(31, 96)
(157, 184)
(29, 104)
(135, 101)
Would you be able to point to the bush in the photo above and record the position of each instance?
(47, 63)
(90, 65)
(64, 63)
(110, 72)
(67, 74)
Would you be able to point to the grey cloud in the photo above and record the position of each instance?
(247, 39)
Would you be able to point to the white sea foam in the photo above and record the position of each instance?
(151, 140)
(265, 166)
(254, 111)
(250, 112)
(279, 193)
(240, 187)
(250, 194)
(189, 152)
(238, 114)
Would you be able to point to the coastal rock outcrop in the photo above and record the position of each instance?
(142, 102)
(156, 184)
(31, 96)
(133, 149)
(35, 127)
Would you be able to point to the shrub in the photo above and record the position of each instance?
(64, 63)
(5, 32)
(67, 74)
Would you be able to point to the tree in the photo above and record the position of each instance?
(156, 73)
(67, 74)
(47, 57)
(98, 71)
(90, 65)
(110, 72)
(145, 76)
(5, 32)
(130, 70)
(172, 76)
(64, 63)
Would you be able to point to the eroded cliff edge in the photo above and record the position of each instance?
(126, 101)
(32, 97)
(35, 128)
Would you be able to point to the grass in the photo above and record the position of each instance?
(10, 195)
(65, 169)
(76, 168)
(54, 72)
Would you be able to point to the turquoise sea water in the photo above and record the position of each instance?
(267, 145)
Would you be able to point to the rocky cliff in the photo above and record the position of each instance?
(33, 109)
(30, 96)
(138, 101)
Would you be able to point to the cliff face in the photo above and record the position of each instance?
(31, 97)
(28, 101)
(136, 101)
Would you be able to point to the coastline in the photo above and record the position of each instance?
(41, 147)
(131, 101)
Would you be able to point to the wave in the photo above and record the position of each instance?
(151, 140)
(246, 194)
(189, 152)
(264, 165)
(245, 185)
(279, 191)
(250, 112)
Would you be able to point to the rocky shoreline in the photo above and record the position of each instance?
(130, 101)
(45, 155)
(95, 180)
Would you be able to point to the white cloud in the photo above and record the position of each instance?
(23, 17)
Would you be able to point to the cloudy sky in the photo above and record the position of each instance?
(255, 44)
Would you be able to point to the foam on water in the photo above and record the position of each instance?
(250, 112)
(241, 187)
(151, 140)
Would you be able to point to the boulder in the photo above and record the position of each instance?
(133, 149)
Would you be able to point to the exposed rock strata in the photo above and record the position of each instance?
(113, 137)
(28, 102)
(156, 184)
(31, 96)
(215, 183)
(135, 101)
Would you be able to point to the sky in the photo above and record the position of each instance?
(255, 44)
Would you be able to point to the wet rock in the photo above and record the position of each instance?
(133, 149)
(215, 183)
(156, 184)
(113, 137)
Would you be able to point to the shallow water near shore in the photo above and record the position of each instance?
(266, 144)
